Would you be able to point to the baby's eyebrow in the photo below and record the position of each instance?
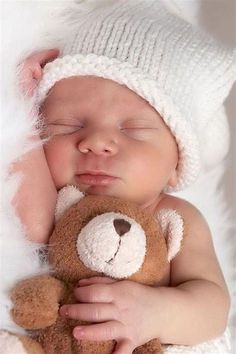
(143, 117)
(65, 119)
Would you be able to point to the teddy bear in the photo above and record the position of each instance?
(94, 235)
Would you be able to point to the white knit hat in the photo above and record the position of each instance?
(183, 73)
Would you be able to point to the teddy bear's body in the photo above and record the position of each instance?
(36, 301)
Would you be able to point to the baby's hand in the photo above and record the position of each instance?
(31, 71)
(121, 310)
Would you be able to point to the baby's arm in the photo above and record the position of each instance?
(36, 196)
(196, 307)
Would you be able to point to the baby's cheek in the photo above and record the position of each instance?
(57, 163)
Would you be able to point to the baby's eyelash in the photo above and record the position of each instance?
(137, 128)
(138, 124)
(65, 124)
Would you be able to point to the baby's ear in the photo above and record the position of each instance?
(172, 225)
(67, 196)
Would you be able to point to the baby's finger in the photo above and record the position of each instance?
(46, 56)
(94, 293)
(96, 280)
(97, 332)
(37, 72)
(124, 346)
(90, 312)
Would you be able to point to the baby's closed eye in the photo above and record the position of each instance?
(138, 128)
(62, 128)
(135, 128)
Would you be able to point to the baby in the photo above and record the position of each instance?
(124, 110)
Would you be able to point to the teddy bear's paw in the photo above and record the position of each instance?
(36, 301)
(18, 344)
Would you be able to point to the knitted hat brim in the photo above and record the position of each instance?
(125, 74)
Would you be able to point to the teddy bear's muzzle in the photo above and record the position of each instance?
(113, 244)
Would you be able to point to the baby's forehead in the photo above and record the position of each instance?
(90, 86)
(86, 92)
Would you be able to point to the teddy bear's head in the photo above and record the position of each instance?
(102, 235)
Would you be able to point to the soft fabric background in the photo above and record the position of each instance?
(215, 194)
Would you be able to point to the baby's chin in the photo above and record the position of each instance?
(108, 191)
(98, 190)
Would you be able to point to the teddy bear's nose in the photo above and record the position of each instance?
(121, 226)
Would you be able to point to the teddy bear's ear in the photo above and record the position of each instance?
(67, 196)
(172, 225)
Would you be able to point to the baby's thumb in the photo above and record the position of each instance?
(96, 280)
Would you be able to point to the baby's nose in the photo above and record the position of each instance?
(99, 143)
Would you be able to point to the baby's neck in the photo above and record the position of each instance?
(153, 205)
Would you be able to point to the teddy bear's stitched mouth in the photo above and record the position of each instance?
(112, 259)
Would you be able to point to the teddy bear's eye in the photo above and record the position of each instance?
(122, 226)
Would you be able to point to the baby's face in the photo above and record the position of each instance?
(106, 139)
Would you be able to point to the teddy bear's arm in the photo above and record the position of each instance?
(36, 301)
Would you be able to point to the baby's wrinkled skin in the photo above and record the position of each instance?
(98, 126)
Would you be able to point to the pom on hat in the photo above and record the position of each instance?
(182, 72)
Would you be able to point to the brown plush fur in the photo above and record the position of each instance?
(36, 301)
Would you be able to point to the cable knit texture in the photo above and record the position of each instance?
(183, 73)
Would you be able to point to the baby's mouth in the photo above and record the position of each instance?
(94, 180)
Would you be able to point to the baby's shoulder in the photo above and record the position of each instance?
(190, 214)
(197, 238)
